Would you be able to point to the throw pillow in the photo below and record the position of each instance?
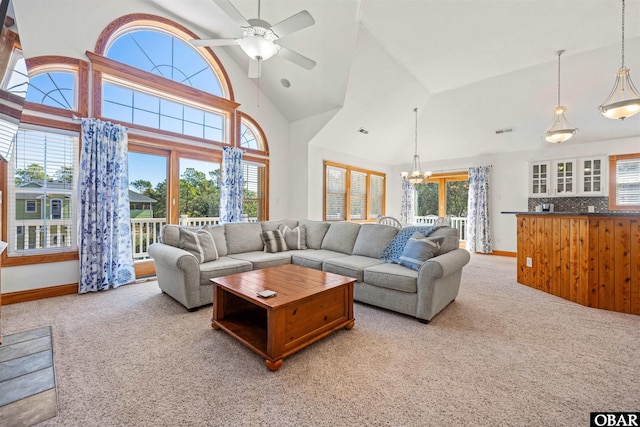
(419, 249)
(274, 241)
(296, 238)
(393, 251)
(200, 243)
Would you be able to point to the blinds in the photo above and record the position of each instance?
(358, 199)
(40, 183)
(628, 182)
(336, 193)
(376, 194)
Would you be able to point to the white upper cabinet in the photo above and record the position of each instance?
(586, 176)
(593, 176)
(565, 177)
(539, 179)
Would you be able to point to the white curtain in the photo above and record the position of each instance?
(407, 210)
(478, 230)
(104, 238)
(231, 188)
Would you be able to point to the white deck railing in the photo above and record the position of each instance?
(146, 231)
(459, 222)
(40, 234)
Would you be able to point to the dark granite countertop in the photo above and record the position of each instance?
(617, 213)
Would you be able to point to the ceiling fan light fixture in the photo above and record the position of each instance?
(624, 99)
(258, 47)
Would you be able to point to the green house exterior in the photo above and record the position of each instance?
(140, 206)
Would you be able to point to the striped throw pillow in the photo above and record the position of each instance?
(295, 238)
(419, 249)
(274, 241)
(200, 243)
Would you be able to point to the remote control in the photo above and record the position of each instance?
(266, 294)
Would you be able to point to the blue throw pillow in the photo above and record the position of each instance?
(419, 249)
(393, 251)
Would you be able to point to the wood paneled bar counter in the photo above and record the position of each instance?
(592, 259)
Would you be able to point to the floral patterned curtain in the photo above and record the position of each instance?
(478, 230)
(407, 210)
(106, 255)
(231, 188)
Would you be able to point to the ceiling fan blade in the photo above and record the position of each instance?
(232, 12)
(296, 58)
(293, 23)
(214, 42)
(255, 67)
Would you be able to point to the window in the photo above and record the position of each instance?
(40, 177)
(30, 206)
(54, 89)
(624, 185)
(152, 111)
(165, 55)
(17, 81)
(352, 193)
(56, 209)
(253, 200)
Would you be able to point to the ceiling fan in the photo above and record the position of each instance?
(260, 39)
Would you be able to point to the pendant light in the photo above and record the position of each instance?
(560, 130)
(416, 176)
(624, 99)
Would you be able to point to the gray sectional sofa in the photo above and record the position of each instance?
(345, 248)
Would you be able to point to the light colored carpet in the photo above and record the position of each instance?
(501, 354)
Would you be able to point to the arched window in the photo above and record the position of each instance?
(251, 136)
(152, 79)
(53, 88)
(163, 54)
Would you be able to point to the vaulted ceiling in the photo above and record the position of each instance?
(470, 66)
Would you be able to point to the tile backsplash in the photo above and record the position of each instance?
(571, 204)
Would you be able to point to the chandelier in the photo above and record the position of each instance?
(624, 99)
(560, 130)
(416, 176)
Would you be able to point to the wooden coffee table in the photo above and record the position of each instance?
(309, 305)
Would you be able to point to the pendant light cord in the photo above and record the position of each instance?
(622, 35)
(559, 53)
(416, 133)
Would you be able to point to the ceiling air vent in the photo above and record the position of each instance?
(505, 130)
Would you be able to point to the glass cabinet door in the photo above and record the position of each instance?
(565, 177)
(539, 182)
(593, 176)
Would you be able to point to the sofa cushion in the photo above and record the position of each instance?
(316, 231)
(392, 252)
(170, 234)
(275, 225)
(341, 237)
(451, 238)
(200, 243)
(419, 249)
(243, 237)
(264, 259)
(373, 238)
(273, 241)
(223, 266)
(313, 258)
(217, 231)
(351, 266)
(392, 276)
(296, 238)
